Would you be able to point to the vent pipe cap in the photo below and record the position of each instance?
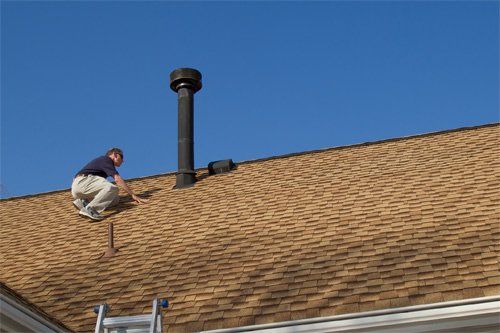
(185, 78)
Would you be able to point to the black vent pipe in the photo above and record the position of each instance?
(185, 82)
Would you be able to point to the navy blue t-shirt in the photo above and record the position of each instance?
(102, 166)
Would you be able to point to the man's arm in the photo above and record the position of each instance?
(120, 182)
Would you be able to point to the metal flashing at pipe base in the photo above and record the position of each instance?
(480, 315)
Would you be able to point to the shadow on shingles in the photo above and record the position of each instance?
(202, 176)
(207, 174)
(122, 206)
(126, 202)
(144, 195)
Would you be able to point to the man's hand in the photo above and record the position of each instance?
(138, 200)
(120, 182)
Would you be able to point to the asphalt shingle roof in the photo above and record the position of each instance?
(372, 226)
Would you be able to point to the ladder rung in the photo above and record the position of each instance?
(141, 320)
(128, 330)
(151, 323)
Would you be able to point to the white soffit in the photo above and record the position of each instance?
(20, 314)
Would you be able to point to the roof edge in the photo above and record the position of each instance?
(370, 143)
(69, 188)
(416, 317)
(17, 306)
(355, 145)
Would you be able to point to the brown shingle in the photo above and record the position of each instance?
(388, 224)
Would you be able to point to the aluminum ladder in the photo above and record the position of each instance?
(149, 323)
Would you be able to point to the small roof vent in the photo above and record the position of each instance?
(222, 166)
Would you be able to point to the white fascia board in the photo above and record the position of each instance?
(25, 317)
(481, 313)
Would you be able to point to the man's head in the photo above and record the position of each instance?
(116, 154)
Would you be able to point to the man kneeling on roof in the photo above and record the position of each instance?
(92, 192)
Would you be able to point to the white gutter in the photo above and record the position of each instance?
(472, 315)
(24, 317)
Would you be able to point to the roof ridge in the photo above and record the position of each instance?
(355, 145)
(369, 143)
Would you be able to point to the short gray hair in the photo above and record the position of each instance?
(115, 150)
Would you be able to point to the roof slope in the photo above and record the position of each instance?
(350, 229)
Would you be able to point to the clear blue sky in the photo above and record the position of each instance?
(279, 77)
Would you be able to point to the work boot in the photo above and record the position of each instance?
(90, 213)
